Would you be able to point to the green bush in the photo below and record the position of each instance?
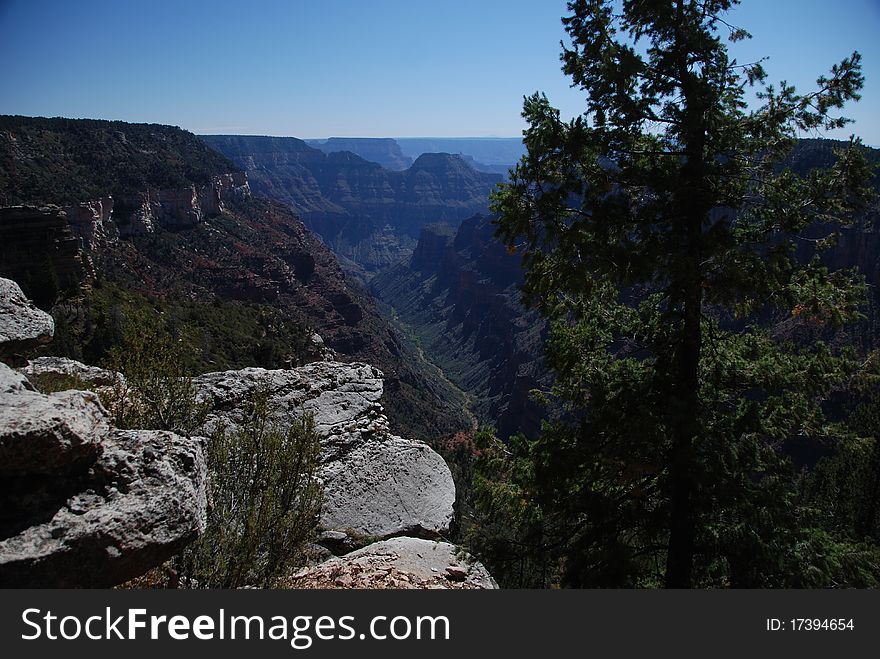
(158, 391)
(266, 501)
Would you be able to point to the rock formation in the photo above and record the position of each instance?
(62, 367)
(82, 503)
(179, 208)
(254, 262)
(85, 504)
(91, 221)
(375, 484)
(23, 327)
(368, 215)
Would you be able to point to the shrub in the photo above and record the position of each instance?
(266, 497)
(157, 392)
(266, 501)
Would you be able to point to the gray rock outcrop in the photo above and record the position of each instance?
(387, 487)
(46, 435)
(12, 382)
(397, 563)
(63, 367)
(83, 504)
(375, 484)
(23, 327)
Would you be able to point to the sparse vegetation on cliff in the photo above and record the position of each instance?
(264, 491)
(266, 500)
(91, 159)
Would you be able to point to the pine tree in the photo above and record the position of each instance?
(658, 232)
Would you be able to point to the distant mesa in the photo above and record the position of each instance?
(485, 154)
(382, 150)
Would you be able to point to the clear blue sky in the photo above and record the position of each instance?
(316, 68)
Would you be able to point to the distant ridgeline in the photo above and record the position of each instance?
(102, 222)
(381, 150)
(368, 215)
(485, 154)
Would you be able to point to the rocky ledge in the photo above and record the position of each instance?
(83, 504)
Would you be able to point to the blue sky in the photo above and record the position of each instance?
(314, 68)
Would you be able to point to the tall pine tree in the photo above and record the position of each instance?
(658, 232)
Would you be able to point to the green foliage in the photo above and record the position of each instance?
(47, 383)
(503, 526)
(845, 486)
(660, 232)
(460, 454)
(266, 501)
(264, 490)
(222, 334)
(157, 391)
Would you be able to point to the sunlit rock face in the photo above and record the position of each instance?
(375, 484)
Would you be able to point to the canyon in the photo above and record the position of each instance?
(370, 294)
(368, 215)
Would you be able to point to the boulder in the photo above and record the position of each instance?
(397, 563)
(71, 370)
(23, 327)
(142, 501)
(343, 399)
(318, 351)
(83, 504)
(375, 484)
(388, 487)
(48, 434)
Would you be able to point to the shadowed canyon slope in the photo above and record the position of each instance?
(369, 216)
(459, 296)
(169, 226)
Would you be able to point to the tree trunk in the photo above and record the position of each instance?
(692, 206)
(680, 556)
